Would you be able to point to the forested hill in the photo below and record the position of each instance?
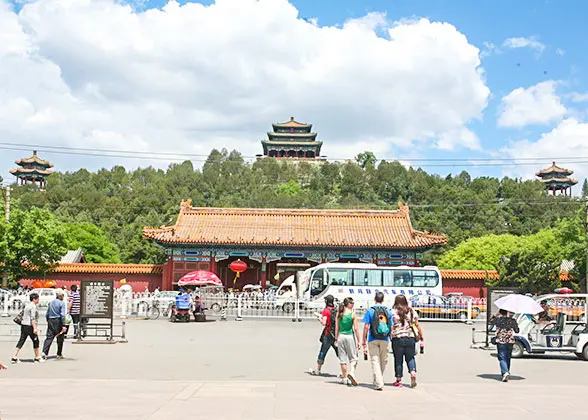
(121, 202)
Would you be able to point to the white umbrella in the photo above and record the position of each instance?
(519, 304)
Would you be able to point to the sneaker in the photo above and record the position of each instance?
(352, 380)
(378, 388)
(314, 372)
(505, 377)
(413, 382)
(14, 361)
(60, 357)
(37, 360)
(397, 384)
(43, 358)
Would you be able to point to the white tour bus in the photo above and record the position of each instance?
(359, 281)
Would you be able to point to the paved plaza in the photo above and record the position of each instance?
(256, 369)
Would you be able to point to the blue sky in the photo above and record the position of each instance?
(522, 43)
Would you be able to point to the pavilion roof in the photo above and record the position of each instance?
(288, 135)
(292, 123)
(291, 143)
(562, 181)
(368, 229)
(554, 169)
(31, 171)
(34, 160)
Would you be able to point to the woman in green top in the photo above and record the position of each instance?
(347, 339)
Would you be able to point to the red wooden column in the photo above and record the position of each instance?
(263, 273)
(167, 275)
(213, 265)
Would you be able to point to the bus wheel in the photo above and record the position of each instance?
(288, 307)
(215, 307)
(462, 316)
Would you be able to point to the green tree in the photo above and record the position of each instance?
(36, 241)
(366, 159)
(585, 188)
(529, 271)
(92, 239)
(482, 253)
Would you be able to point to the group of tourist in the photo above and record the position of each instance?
(59, 316)
(382, 326)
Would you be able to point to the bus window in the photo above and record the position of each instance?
(418, 278)
(431, 279)
(388, 277)
(402, 278)
(317, 283)
(339, 276)
(367, 277)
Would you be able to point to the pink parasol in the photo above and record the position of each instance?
(200, 278)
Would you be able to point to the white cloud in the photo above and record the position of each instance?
(538, 104)
(560, 52)
(464, 136)
(524, 42)
(579, 97)
(98, 74)
(567, 140)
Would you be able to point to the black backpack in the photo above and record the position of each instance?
(332, 324)
(380, 325)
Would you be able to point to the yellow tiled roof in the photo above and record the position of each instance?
(294, 227)
(35, 159)
(291, 123)
(554, 169)
(109, 268)
(469, 274)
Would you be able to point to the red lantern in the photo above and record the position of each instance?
(37, 284)
(238, 267)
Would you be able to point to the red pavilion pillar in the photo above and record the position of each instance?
(213, 265)
(263, 273)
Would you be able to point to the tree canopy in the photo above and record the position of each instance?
(121, 202)
(34, 241)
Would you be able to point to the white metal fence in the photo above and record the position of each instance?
(153, 305)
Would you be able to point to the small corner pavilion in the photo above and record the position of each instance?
(557, 179)
(32, 170)
(211, 238)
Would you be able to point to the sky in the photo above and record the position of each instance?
(497, 88)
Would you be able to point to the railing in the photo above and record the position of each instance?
(232, 305)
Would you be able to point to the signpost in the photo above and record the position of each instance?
(495, 293)
(97, 302)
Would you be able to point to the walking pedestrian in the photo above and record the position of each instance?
(376, 337)
(405, 331)
(347, 339)
(327, 338)
(506, 328)
(56, 325)
(74, 308)
(29, 327)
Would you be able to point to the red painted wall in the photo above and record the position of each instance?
(474, 288)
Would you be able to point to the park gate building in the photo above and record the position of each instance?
(211, 238)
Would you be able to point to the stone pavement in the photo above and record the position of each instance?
(256, 370)
(163, 400)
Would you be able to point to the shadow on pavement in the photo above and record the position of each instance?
(550, 356)
(498, 378)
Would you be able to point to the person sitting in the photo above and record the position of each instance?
(198, 311)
